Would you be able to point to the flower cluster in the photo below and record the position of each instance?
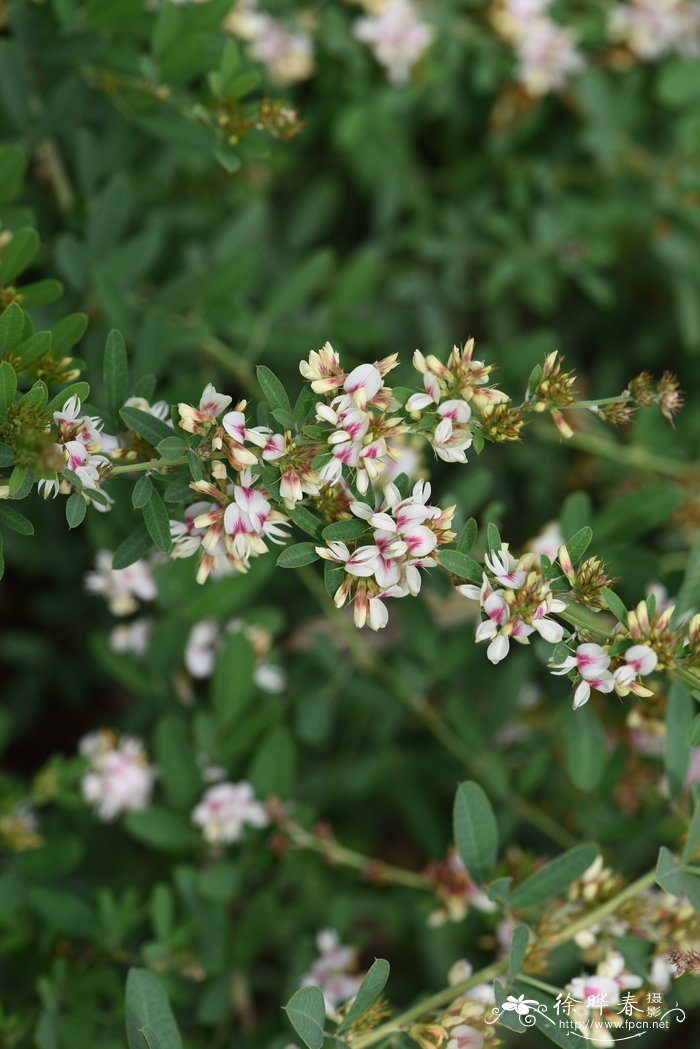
(591, 663)
(405, 535)
(396, 35)
(333, 971)
(224, 811)
(652, 29)
(79, 447)
(516, 601)
(205, 639)
(119, 778)
(122, 588)
(546, 51)
(287, 53)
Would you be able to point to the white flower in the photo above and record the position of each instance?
(465, 1037)
(548, 542)
(200, 649)
(653, 28)
(363, 384)
(589, 659)
(396, 36)
(133, 637)
(211, 405)
(331, 971)
(547, 56)
(119, 778)
(503, 566)
(224, 811)
(123, 588)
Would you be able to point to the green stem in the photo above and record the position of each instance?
(153, 464)
(490, 972)
(548, 988)
(336, 853)
(626, 454)
(233, 363)
(688, 868)
(366, 660)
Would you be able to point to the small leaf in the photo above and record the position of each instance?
(553, 878)
(518, 950)
(273, 389)
(584, 748)
(475, 831)
(173, 447)
(691, 841)
(344, 531)
(493, 537)
(461, 565)
(145, 425)
(333, 576)
(579, 543)
(150, 1023)
(368, 993)
(143, 489)
(115, 373)
(13, 519)
(8, 387)
(67, 333)
(232, 683)
(297, 555)
(33, 348)
(694, 732)
(11, 326)
(307, 1014)
(679, 716)
(157, 522)
(18, 253)
(133, 548)
(81, 390)
(306, 521)
(76, 508)
(467, 536)
(615, 605)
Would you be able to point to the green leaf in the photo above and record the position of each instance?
(145, 425)
(173, 447)
(37, 396)
(369, 991)
(461, 565)
(584, 748)
(344, 531)
(41, 293)
(20, 483)
(33, 348)
(150, 1023)
(162, 829)
(679, 716)
(493, 537)
(475, 831)
(307, 1014)
(615, 605)
(11, 326)
(689, 593)
(67, 333)
(297, 555)
(553, 878)
(7, 455)
(579, 543)
(518, 950)
(143, 490)
(694, 732)
(14, 520)
(232, 683)
(133, 548)
(677, 882)
(81, 390)
(636, 514)
(8, 387)
(693, 838)
(157, 521)
(333, 576)
(115, 373)
(467, 536)
(306, 521)
(19, 253)
(178, 769)
(76, 508)
(274, 391)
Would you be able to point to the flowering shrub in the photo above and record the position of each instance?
(286, 754)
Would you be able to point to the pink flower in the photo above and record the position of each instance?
(119, 778)
(224, 811)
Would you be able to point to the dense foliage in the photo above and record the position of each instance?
(218, 795)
